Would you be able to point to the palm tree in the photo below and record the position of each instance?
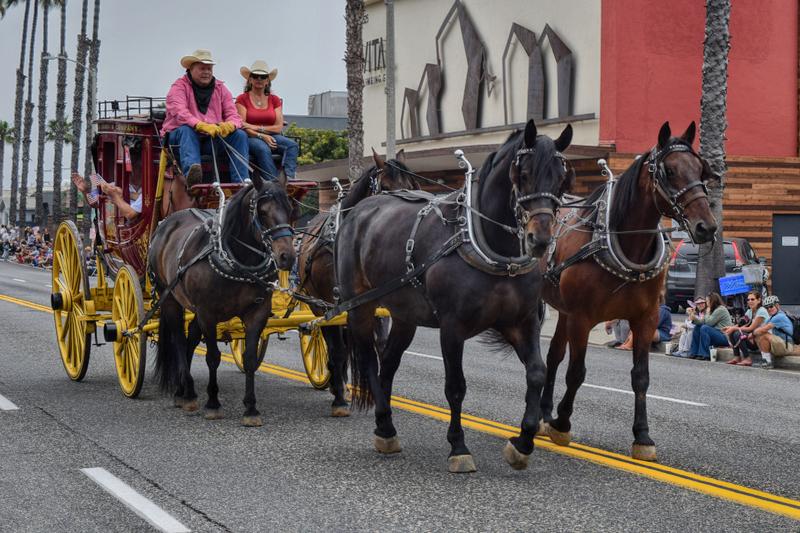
(59, 131)
(354, 59)
(88, 165)
(6, 136)
(61, 106)
(27, 124)
(713, 123)
(77, 105)
(20, 89)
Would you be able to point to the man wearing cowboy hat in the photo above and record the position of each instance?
(200, 111)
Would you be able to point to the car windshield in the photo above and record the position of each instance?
(689, 251)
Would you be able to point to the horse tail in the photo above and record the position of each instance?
(496, 342)
(362, 356)
(167, 371)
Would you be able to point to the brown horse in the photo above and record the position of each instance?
(316, 264)
(433, 267)
(625, 279)
(218, 271)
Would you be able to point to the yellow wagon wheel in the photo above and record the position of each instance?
(237, 350)
(130, 350)
(314, 350)
(69, 300)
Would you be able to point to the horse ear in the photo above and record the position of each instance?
(378, 161)
(258, 182)
(688, 135)
(564, 139)
(664, 135)
(401, 156)
(530, 134)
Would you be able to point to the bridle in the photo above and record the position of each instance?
(523, 215)
(268, 235)
(679, 200)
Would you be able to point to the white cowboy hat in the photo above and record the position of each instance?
(259, 67)
(198, 56)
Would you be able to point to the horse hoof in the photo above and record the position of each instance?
(559, 437)
(338, 411)
(518, 461)
(177, 401)
(190, 406)
(252, 421)
(213, 414)
(461, 464)
(542, 431)
(644, 452)
(388, 446)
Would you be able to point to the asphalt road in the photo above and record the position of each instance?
(305, 471)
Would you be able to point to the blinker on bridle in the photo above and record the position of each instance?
(267, 234)
(523, 215)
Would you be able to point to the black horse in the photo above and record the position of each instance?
(390, 237)
(218, 271)
(316, 264)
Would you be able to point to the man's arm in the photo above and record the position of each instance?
(115, 194)
(178, 105)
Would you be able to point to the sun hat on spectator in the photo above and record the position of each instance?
(699, 300)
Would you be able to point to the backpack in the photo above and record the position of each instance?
(795, 327)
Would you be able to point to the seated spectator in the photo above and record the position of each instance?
(663, 331)
(620, 329)
(687, 328)
(708, 330)
(774, 338)
(742, 336)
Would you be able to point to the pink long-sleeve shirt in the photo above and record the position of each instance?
(182, 108)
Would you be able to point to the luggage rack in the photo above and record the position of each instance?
(133, 107)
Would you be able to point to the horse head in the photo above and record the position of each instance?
(679, 176)
(393, 175)
(271, 216)
(539, 178)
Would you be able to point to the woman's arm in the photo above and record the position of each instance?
(277, 127)
(755, 323)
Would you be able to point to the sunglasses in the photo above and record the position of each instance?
(751, 299)
(259, 76)
(768, 306)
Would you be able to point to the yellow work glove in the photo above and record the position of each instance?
(226, 128)
(208, 129)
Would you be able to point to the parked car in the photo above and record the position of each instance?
(682, 272)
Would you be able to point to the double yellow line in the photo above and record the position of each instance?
(674, 476)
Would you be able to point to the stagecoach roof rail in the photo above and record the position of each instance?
(133, 107)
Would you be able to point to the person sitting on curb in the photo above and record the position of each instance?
(741, 337)
(620, 328)
(198, 103)
(708, 330)
(774, 338)
(687, 328)
(663, 331)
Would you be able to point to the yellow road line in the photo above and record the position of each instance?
(674, 476)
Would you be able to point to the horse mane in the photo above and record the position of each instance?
(359, 189)
(236, 204)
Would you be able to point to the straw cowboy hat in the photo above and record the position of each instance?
(198, 56)
(259, 67)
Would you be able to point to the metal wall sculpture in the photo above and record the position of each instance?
(478, 76)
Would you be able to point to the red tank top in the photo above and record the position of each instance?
(260, 117)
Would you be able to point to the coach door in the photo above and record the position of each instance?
(786, 258)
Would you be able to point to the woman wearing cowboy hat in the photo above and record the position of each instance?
(198, 103)
(262, 116)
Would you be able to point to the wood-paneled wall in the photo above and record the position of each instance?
(755, 189)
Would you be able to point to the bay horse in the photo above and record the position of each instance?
(625, 280)
(393, 237)
(316, 264)
(218, 271)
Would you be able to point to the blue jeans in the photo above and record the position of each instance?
(703, 337)
(191, 145)
(262, 156)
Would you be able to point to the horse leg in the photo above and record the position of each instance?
(555, 354)
(253, 325)
(460, 459)
(213, 356)
(525, 340)
(337, 364)
(185, 395)
(643, 448)
(578, 333)
(396, 343)
(192, 341)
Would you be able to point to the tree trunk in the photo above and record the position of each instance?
(18, 118)
(61, 107)
(713, 123)
(41, 217)
(91, 105)
(28, 124)
(77, 106)
(354, 59)
(2, 162)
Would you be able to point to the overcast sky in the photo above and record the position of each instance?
(142, 43)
